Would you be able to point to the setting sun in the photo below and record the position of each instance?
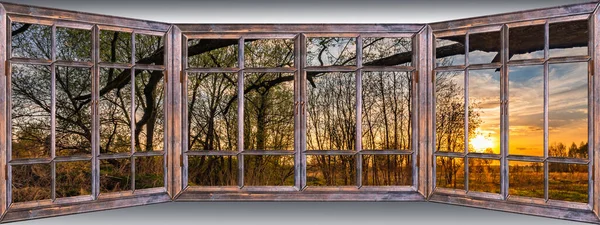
(480, 143)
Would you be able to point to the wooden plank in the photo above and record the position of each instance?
(300, 28)
(176, 119)
(4, 118)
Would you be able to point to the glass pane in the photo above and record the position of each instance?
(115, 175)
(73, 111)
(484, 175)
(269, 111)
(450, 173)
(387, 112)
(568, 182)
(114, 111)
(268, 170)
(330, 170)
(268, 53)
(212, 170)
(484, 48)
(387, 51)
(450, 51)
(149, 172)
(568, 110)
(32, 41)
(212, 53)
(149, 111)
(73, 179)
(212, 111)
(387, 170)
(331, 51)
(526, 110)
(31, 106)
(484, 111)
(569, 38)
(450, 111)
(526, 179)
(73, 44)
(31, 182)
(115, 47)
(526, 42)
(331, 111)
(149, 49)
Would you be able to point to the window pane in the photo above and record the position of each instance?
(568, 182)
(269, 111)
(114, 110)
(569, 38)
(568, 110)
(73, 44)
(73, 179)
(115, 175)
(31, 106)
(450, 173)
(212, 111)
(73, 111)
(450, 111)
(212, 170)
(149, 172)
(450, 51)
(387, 51)
(212, 53)
(484, 48)
(526, 110)
(331, 51)
(149, 49)
(149, 111)
(268, 53)
(31, 182)
(387, 112)
(330, 170)
(268, 170)
(484, 175)
(331, 111)
(526, 42)
(387, 170)
(32, 41)
(526, 179)
(115, 47)
(484, 110)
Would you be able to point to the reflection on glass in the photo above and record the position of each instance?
(31, 182)
(526, 42)
(268, 170)
(450, 173)
(330, 170)
(31, 107)
(73, 111)
(114, 109)
(450, 51)
(212, 170)
(268, 53)
(526, 179)
(269, 111)
(484, 48)
(115, 47)
(526, 110)
(212, 111)
(450, 112)
(149, 111)
(212, 53)
(331, 51)
(387, 170)
(569, 38)
(568, 182)
(32, 41)
(484, 175)
(379, 51)
(484, 103)
(568, 110)
(148, 47)
(387, 112)
(331, 111)
(115, 175)
(73, 44)
(149, 172)
(73, 179)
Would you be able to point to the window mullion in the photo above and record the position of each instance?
(240, 116)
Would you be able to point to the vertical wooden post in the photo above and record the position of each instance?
(422, 112)
(594, 48)
(175, 119)
(4, 70)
